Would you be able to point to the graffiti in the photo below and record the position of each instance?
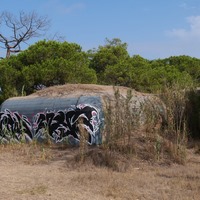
(55, 125)
(14, 126)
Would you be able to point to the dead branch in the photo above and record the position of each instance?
(22, 29)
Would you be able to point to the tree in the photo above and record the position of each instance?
(15, 31)
(154, 79)
(44, 50)
(121, 73)
(111, 54)
(56, 72)
(47, 63)
(186, 63)
(8, 82)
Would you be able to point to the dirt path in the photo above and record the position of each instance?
(50, 177)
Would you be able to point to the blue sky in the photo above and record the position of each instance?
(152, 28)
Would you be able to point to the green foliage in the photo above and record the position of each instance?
(143, 75)
(187, 64)
(51, 63)
(9, 78)
(139, 62)
(45, 50)
(47, 63)
(121, 73)
(151, 79)
(111, 54)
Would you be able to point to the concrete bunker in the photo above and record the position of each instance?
(54, 113)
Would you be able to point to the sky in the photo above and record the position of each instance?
(153, 29)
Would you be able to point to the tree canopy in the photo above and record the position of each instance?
(48, 63)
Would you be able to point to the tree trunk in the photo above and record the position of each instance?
(8, 53)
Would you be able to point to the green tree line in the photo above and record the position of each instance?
(48, 63)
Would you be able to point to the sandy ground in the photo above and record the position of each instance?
(25, 174)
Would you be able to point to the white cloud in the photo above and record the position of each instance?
(188, 34)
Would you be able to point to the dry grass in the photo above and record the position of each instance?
(31, 153)
(145, 182)
(56, 179)
(161, 138)
(148, 162)
(39, 190)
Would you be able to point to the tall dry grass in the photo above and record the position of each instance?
(175, 132)
(121, 119)
(156, 131)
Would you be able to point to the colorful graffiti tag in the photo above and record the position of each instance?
(59, 125)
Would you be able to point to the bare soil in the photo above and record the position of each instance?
(39, 172)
